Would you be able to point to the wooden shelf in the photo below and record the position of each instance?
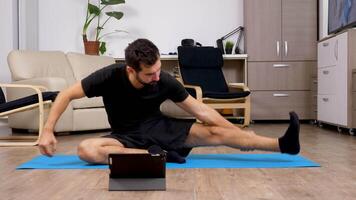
(175, 57)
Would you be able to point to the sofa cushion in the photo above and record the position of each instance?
(95, 102)
(26, 64)
(82, 66)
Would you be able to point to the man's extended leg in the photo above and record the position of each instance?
(201, 135)
(97, 150)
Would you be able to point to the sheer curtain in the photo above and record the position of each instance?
(8, 35)
(28, 24)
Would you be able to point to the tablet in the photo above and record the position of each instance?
(137, 172)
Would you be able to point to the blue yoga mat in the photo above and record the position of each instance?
(274, 160)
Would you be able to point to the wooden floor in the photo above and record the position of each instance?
(336, 179)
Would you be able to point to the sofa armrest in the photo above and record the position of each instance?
(21, 120)
(51, 83)
(239, 86)
(44, 84)
(37, 89)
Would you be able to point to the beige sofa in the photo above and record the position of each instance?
(56, 71)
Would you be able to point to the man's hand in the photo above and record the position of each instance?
(47, 143)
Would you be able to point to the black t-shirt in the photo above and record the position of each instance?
(125, 105)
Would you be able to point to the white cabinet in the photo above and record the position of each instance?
(335, 64)
(327, 52)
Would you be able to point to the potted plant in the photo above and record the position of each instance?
(228, 47)
(93, 47)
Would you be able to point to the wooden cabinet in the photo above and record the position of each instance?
(336, 62)
(280, 88)
(281, 43)
(299, 30)
(276, 105)
(279, 76)
(314, 94)
(353, 98)
(263, 29)
(281, 30)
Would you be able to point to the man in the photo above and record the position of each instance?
(132, 95)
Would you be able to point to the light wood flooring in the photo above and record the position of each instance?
(336, 179)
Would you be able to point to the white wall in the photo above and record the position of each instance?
(8, 36)
(165, 22)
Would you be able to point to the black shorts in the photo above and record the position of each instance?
(168, 133)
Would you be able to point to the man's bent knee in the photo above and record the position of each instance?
(89, 151)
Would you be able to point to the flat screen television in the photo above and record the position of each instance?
(342, 14)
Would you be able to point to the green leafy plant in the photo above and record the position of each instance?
(95, 12)
(228, 47)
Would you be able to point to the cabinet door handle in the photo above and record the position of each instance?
(280, 95)
(325, 44)
(325, 99)
(325, 72)
(286, 48)
(278, 48)
(280, 65)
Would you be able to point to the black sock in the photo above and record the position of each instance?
(171, 156)
(155, 149)
(174, 157)
(289, 142)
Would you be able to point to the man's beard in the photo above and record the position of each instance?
(150, 84)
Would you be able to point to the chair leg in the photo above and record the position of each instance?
(246, 118)
(40, 120)
(16, 144)
(24, 140)
(247, 112)
(12, 141)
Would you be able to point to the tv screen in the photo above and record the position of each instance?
(342, 14)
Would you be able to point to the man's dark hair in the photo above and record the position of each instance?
(141, 51)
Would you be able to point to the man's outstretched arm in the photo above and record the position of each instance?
(47, 141)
